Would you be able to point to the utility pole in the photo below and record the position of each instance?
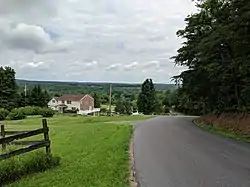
(110, 97)
(25, 95)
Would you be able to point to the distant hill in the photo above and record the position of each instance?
(88, 87)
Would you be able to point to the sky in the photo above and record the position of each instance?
(92, 40)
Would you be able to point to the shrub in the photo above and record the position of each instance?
(47, 112)
(14, 168)
(3, 113)
(16, 114)
(31, 110)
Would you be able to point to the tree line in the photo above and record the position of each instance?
(216, 51)
(11, 97)
(148, 101)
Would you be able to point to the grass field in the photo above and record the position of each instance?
(93, 153)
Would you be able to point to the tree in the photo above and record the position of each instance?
(97, 103)
(9, 89)
(119, 107)
(216, 51)
(123, 106)
(34, 97)
(146, 100)
(128, 107)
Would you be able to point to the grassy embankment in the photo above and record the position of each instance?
(236, 126)
(93, 153)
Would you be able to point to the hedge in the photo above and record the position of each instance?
(3, 113)
(16, 114)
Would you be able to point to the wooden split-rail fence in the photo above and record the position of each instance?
(11, 137)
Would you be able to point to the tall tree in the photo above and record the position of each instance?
(146, 100)
(34, 97)
(216, 51)
(8, 88)
(97, 103)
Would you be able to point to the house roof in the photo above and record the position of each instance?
(71, 97)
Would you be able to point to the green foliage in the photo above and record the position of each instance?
(3, 113)
(47, 112)
(17, 167)
(124, 107)
(146, 100)
(89, 87)
(104, 110)
(97, 103)
(89, 147)
(31, 110)
(216, 51)
(16, 114)
(34, 97)
(9, 89)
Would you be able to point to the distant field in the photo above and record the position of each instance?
(94, 153)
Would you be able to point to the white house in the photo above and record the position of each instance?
(84, 104)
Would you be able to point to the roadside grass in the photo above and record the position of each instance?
(93, 153)
(15, 168)
(221, 131)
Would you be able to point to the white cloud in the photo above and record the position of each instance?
(131, 66)
(35, 64)
(34, 38)
(113, 67)
(92, 36)
(151, 64)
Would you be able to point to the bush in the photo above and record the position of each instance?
(17, 167)
(47, 112)
(3, 113)
(16, 114)
(31, 110)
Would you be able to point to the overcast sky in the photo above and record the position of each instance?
(92, 40)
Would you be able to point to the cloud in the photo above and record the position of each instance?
(35, 64)
(34, 38)
(97, 37)
(131, 66)
(151, 64)
(91, 64)
(113, 67)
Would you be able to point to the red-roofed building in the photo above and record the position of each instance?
(78, 102)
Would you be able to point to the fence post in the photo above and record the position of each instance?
(46, 135)
(3, 136)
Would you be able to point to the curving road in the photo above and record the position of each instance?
(172, 152)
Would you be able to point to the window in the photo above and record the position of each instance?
(53, 101)
(69, 102)
(62, 101)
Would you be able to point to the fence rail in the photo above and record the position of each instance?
(31, 145)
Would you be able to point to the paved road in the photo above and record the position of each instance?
(172, 152)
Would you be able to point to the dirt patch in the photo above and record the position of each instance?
(235, 122)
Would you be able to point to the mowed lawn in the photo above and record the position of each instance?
(93, 152)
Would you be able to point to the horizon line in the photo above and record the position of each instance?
(69, 81)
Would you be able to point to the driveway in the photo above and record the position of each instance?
(173, 152)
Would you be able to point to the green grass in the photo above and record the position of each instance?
(14, 168)
(221, 131)
(93, 153)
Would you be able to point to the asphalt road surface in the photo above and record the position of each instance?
(173, 152)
